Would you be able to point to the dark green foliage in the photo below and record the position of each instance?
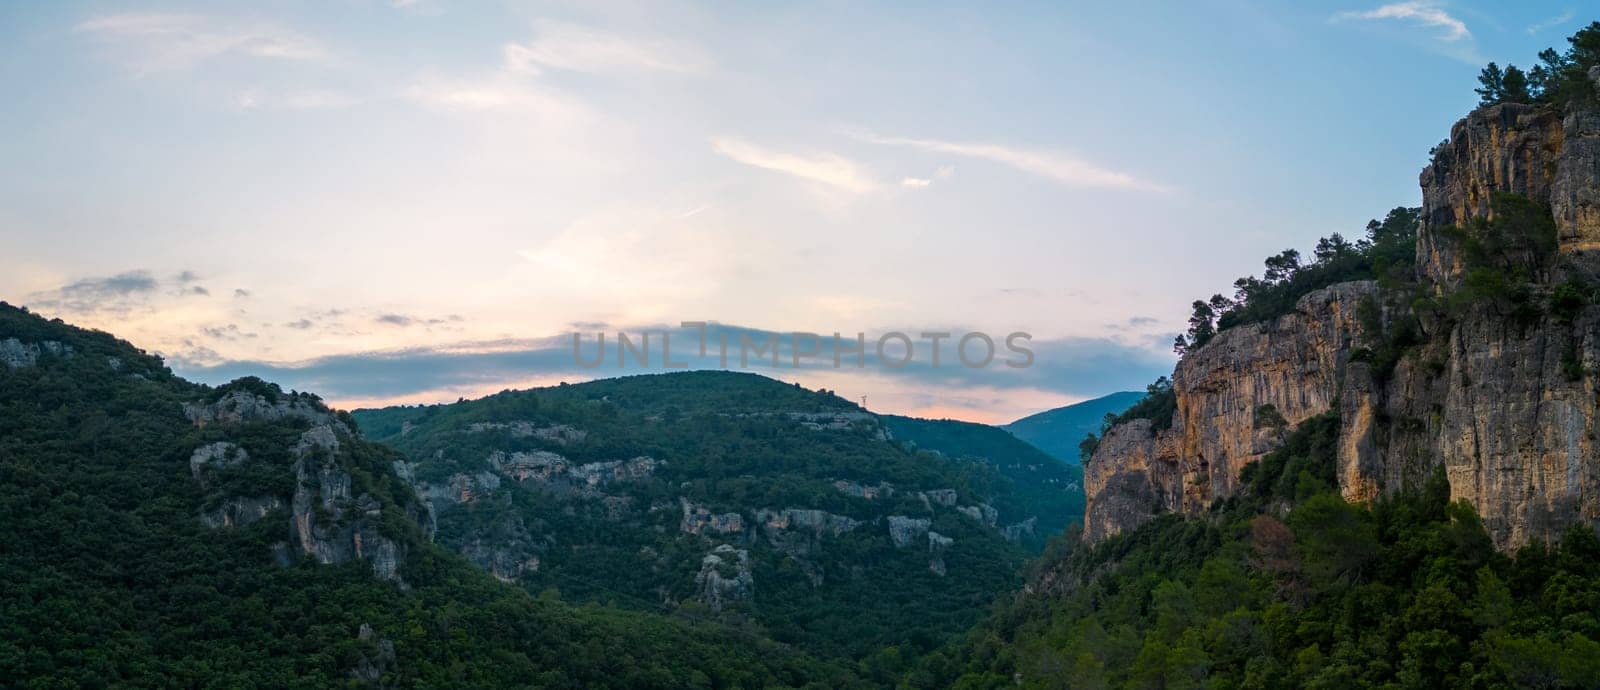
(1505, 258)
(108, 578)
(1034, 483)
(730, 443)
(1087, 447)
(1387, 255)
(1287, 585)
(1502, 86)
(1560, 79)
(1158, 405)
(1386, 340)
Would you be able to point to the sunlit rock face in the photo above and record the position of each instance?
(1507, 409)
(1549, 156)
(1294, 363)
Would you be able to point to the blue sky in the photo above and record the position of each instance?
(300, 188)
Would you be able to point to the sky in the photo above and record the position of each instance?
(419, 200)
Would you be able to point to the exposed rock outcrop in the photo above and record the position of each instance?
(937, 543)
(15, 354)
(240, 511)
(983, 513)
(1294, 363)
(331, 525)
(1507, 409)
(817, 522)
(215, 456)
(328, 520)
(1020, 531)
(239, 406)
(905, 531)
(556, 433)
(700, 520)
(725, 578)
(1548, 156)
(858, 490)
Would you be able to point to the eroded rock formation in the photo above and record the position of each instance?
(1507, 408)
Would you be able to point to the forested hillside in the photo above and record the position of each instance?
(1372, 468)
(162, 533)
(1041, 486)
(727, 496)
(1287, 585)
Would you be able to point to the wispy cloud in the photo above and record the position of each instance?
(1071, 366)
(313, 99)
(117, 294)
(828, 169)
(1551, 23)
(161, 41)
(1056, 166)
(559, 45)
(502, 90)
(1418, 12)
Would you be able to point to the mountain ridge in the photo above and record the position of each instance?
(1060, 430)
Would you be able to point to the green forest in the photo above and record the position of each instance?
(108, 578)
(727, 530)
(737, 444)
(1287, 585)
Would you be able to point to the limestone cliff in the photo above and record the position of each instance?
(1294, 363)
(1507, 406)
(331, 516)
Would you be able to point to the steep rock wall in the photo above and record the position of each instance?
(1510, 410)
(1294, 363)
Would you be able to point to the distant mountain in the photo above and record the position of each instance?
(789, 511)
(1050, 490)
(1059, 431)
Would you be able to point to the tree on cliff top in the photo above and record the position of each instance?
(1503, 86)
(1558, 79)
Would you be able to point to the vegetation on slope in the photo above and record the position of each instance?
(109, 578)
(1039, 485)
(1287, 585)
(730, 443)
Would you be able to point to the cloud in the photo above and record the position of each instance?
(1551, 23)
(241, 293)
(312, 99)
(407, 320)
(915, 182)
(1073, 367)
(828, 169)
(503, 89)
(515, 85)
(229, 332)
(1059, 167)
(161, 41)
(558, 45)
(118, 293)
(1418, 12)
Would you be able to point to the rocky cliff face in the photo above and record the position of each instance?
(1295, 363)
(1508, 409)
(1548, 156)
(330, 518)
